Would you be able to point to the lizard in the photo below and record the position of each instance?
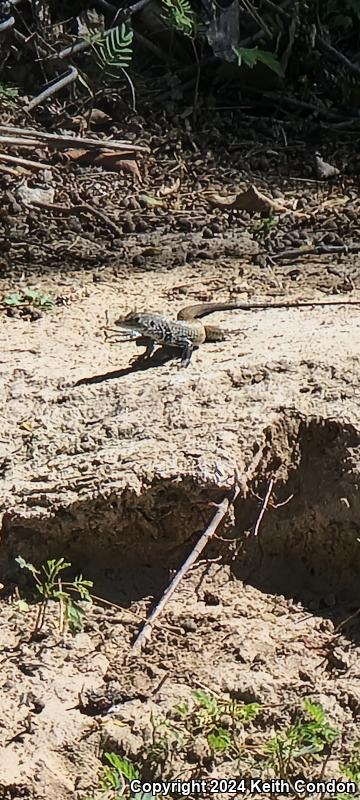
(187, 332)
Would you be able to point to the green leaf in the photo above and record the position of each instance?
(250, 56)
(14, 299)
(26, 565)
(122, 765)
(114, 49)
(149, 201)
(219, 740)
(207, 701)
(181, 16)
(82, 78)
(22, 605)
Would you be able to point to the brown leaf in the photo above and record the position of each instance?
(165, 191)
(252, 200)
(96, 119)
(76, 154)
(116, 163)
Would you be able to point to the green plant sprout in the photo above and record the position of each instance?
(50, 586)
(30, 297)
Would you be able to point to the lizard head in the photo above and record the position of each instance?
(132, 321)
(144, 322)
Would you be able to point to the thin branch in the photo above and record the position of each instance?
(320, 249)
(29, 137)
(24, 162)
(85, 207)
(8, 170)
(345, 621)
(264, 507)
(222, 510)
(53, 87)
(337, 56)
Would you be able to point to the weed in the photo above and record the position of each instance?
(266, 224)
(8, 92)
(302, 742)
(298, 750)
(50, 586)
(30, 297)
(181, 16)
(252, 56)
(351, 769)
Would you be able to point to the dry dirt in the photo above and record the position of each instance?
(118, 469)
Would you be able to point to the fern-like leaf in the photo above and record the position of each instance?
(115, 49)
(181, 16)
(251, 56)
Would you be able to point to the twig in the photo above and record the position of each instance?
(24, 162)
(264, 507)
(29, 137)
(76, 209)
(54, 86)
(345, 621)
(222, 509)
(278, 9)
(337, 56)
(320, 249)
(8, 170)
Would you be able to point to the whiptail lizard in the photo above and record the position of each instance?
(187, 332)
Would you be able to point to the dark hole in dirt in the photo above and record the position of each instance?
(307, 549)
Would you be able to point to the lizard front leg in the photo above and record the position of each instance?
(186, 353)
(149, 347)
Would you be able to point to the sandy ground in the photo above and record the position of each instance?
(118, 469)
(118, 474)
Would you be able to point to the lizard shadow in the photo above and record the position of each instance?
(158, 359)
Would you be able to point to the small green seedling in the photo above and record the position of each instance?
(50, 586)
(305, 740)
(265, 224)
(29, 297)
(114, 781)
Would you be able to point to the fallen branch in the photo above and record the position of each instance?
(317, 250)
(222, 509)
(31, 138)
(264, 507)
(54, 86)
(24, 162)
(9, 170)
(85, 207)
(336, 56)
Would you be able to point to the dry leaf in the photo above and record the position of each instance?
(115, 163)
(165, 191)
(74, 155)
(323, 170)
(96, 119)
(148, 201)
(252, 200)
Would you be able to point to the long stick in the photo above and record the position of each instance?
(27, 136)
(24, 162)
(145, 633)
